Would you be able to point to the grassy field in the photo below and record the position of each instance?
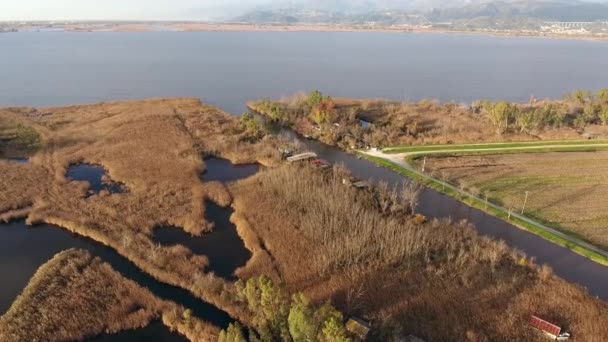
(565, 190)
(490, 146)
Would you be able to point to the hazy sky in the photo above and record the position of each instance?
(121, 9)
(166, 9)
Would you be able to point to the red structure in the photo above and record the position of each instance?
(550, 329)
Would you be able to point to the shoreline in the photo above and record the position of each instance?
(238, 27)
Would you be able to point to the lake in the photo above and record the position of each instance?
(228, 68)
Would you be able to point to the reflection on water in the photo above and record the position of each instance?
(223, 246)
(95, 176)
(223, 170)
(154, 331)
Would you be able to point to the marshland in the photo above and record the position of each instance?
(197, 242)
(178, 161)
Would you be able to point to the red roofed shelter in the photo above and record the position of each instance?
(549, 329)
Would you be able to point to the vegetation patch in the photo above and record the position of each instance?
(75, 296)
(437, 280)
(17, 140)
(337, 121)
(156, 149)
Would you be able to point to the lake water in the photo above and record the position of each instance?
(228, 68)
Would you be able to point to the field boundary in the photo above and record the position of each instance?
(400, 162)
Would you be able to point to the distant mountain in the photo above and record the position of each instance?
(459, 13)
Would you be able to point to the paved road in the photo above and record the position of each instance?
(399, 159)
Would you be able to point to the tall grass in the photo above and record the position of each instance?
(438, 280)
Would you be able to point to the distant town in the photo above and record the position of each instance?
(594, 30)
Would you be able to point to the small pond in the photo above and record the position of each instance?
(223, 246)
(223, 170)
(95, 176)
(364, 123)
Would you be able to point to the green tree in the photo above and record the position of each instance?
(501, 115)
(590, 113)
(315, 98)
(526, 121)
(234, 333)
(553, 115)
(277, 318)
(325, 112)
(603, 116)
(602, 96)
(270, 304)
(579, 97)
(333, 331)
(302, 326)
(252, 127)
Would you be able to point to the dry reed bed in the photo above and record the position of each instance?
(74, 296)
(154, 148)
(438, 280)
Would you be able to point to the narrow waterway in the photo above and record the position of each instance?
(565, 263)
(223, 170)
(23, 249)
(223, 246)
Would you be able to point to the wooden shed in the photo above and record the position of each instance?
(358, 327)
(551, 330)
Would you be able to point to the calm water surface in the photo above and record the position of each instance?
(94, 175)
(228, 68)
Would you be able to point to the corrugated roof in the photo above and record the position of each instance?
(545, 326)
(358, 327)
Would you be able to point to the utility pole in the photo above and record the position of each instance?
(525, 201)
(424, 165)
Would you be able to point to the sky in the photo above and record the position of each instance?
(122, 9)
(161, 9)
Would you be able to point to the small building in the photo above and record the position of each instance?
(358, 327)
(362, 185)
(551, 330)
(321, 163)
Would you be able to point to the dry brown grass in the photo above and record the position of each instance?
(437, 280)
(153, 147)
(565, 189)
(75, 296)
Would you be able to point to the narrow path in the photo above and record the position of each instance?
(399, 160)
